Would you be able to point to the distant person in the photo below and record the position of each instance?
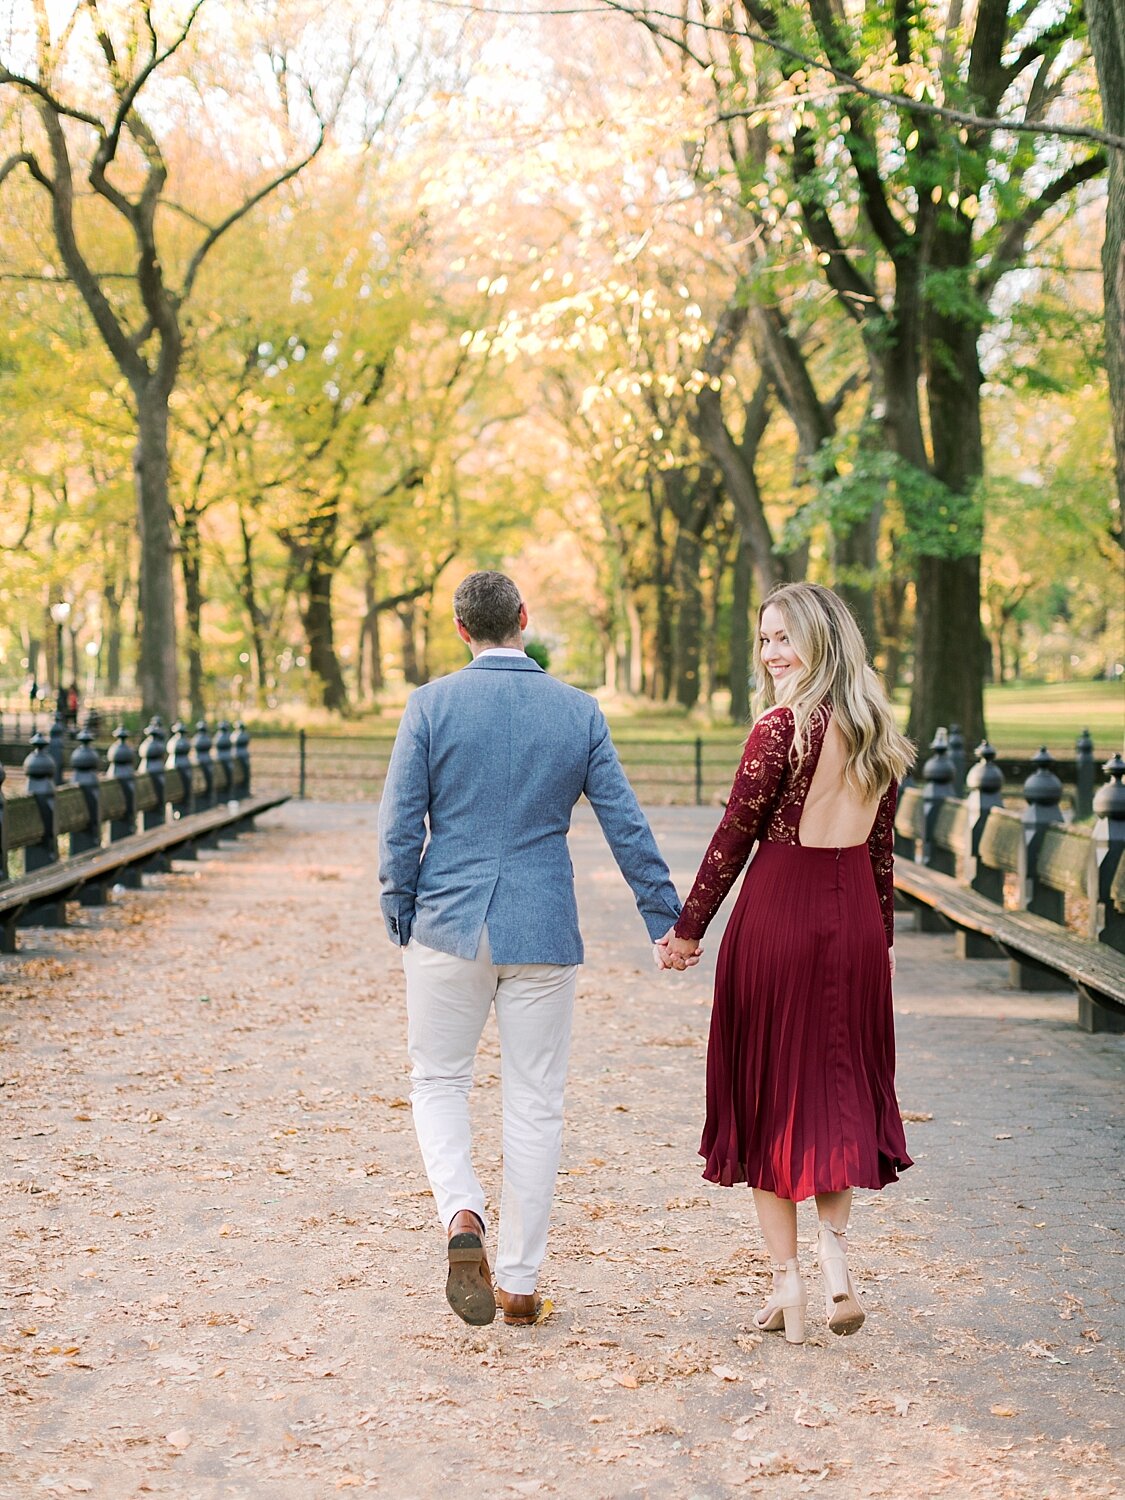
(33, 695)
(801, 1058)
(60, 703)
(72, 705)
(493, 759)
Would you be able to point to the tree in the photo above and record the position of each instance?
(1107, 39)
(87, 88)
(913, 223)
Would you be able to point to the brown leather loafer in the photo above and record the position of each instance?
(468, 1286)
(521, 1308)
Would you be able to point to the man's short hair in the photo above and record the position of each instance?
(488, 605)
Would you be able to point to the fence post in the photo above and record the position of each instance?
(3, 837)
(85, 765)
(154, 748)
(1043, 791)
(123, 770)
(957, 756)
(1107, 924)
(242, 755)
(224, 762)
(201, 744)
(179, 755)
(302, 769)
(58, 745)
(938, 772)
(39, 768)
(699, 770)
(984, 791)
(1084, 775)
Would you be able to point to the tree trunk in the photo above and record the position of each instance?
(156, 670)
(891, 599)
(248, 589)
(1107, 38)
(190, 566)
(636, 646)
(854, 570)
(949, 641)
(369, 637)
(740, 654)
(411, 668)
(316, 616)
(689, 617)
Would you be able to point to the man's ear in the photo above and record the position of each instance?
(523, 616)
(463, 633)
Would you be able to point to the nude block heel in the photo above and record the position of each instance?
(845, 1314)
(786, 1305)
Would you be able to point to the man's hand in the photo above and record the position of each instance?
(891, 956)
(672, 952)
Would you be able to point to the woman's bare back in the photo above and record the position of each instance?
(835, 815)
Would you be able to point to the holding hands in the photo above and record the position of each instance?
(672, 952)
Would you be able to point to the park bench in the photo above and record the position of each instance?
(953, 854)
(186, 804)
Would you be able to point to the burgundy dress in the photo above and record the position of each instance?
(801, 1057)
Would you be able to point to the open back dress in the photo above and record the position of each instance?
(801, 1056)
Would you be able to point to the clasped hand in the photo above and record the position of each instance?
(672, 952)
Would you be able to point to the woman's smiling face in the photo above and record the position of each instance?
(778, 657)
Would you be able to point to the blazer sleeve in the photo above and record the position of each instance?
(757, 783)
(627, 832)
(402, 822)
(881, 847)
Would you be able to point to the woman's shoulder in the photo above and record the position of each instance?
(775, 724)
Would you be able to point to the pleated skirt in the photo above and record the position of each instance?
(801, 1055)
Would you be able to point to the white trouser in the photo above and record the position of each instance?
(447, 1003)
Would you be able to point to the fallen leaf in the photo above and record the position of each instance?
(179, 1439)
(724, 1372)
(1003, 1411)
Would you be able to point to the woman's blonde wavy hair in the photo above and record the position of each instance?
(834, 667)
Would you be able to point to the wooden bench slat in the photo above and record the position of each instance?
(1084, 963)
(70, 875)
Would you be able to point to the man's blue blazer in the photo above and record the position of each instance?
(493, 759)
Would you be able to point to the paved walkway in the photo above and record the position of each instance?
(222, 1277)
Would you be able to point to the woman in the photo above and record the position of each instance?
(800, 1066)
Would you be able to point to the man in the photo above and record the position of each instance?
(494, 758)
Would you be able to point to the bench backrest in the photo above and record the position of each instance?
(951, 824)
(1064, 860)
(1001, 843)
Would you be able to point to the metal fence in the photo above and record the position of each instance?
(347, 768)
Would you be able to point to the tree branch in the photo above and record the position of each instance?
(1013, 240)
(208, 243)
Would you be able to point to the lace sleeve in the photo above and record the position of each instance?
(756, 785)
(881, 847)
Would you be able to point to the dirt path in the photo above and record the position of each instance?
(222, 1277)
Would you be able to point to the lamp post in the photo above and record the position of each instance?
(60, 613)
(93, 650)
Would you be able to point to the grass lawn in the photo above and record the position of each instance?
(1054, 714)
(1019, 718)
